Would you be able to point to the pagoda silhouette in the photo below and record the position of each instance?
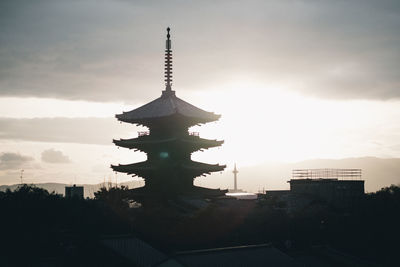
(168, 143)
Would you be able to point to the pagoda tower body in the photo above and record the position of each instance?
(168, 143)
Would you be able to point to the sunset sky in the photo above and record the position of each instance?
(293, 80)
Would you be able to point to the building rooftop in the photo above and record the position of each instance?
(253, 255)
(136, 251)
(142, 254)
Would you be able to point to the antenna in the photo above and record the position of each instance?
(21, 176)
(168, 63)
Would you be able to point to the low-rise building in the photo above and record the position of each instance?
(74, 191)
(334, 191)
(341, 188)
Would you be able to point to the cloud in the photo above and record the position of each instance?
(112, 50)
(65, 130)
(54, 156)
(10, 160)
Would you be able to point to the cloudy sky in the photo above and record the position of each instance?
(293, 80)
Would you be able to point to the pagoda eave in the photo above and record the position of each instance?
(200, 167)
(147, 122)
(175, 116)
(191, 143)
(191, 168)
(138, 169)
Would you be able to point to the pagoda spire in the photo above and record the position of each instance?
(168, 63)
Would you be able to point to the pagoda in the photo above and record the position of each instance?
(168, 143)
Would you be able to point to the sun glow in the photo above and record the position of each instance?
(269, 123)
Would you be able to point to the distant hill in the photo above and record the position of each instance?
(59, 188)
(377, 173)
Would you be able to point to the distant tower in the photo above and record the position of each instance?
(21, 176)
(168, 143)
(235, 172)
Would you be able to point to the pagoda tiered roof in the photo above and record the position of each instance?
(146, 168)
(191, 142)
(165, 106)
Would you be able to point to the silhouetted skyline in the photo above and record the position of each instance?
(293, 80)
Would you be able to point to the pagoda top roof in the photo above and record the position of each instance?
(167, 105)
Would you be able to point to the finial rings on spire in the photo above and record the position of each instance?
(168, 63)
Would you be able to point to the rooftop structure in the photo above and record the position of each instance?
(353, 174)
(168, 143)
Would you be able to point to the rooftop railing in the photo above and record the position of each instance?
(143, 133)
(326, 174)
